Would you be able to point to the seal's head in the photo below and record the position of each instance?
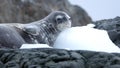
(59, 19)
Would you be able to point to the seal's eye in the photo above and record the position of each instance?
(59, 19)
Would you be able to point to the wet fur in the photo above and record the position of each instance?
(10, 37)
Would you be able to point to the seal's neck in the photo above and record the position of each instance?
(46, 32)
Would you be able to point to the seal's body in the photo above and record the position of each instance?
(9, 37)
(43, 31)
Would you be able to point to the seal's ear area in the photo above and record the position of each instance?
(31, 30)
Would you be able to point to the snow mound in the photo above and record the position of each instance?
(85, 38)
(29, 46)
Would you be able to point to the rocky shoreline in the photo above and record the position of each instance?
(57, 58)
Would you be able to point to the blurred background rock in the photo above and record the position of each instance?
(25, 11)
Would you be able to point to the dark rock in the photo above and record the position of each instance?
(25, 11)
(57, 58)
(113, 34)
(113, 28)
(99, 60)
(2, 65)
(108, 24)
(40, 58)
(113, 66)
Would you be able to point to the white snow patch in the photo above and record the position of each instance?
(29, 46)
(91, 25)
(85, 38)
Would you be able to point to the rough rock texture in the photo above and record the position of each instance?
(25, 11)
(55, 58)
(113, 28)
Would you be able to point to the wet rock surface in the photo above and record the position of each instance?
(57, 58)
(25, 11)
(41, 58)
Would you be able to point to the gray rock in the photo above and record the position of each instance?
(25, 11)
(113, 28)
(57, 58)
(40, 58)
